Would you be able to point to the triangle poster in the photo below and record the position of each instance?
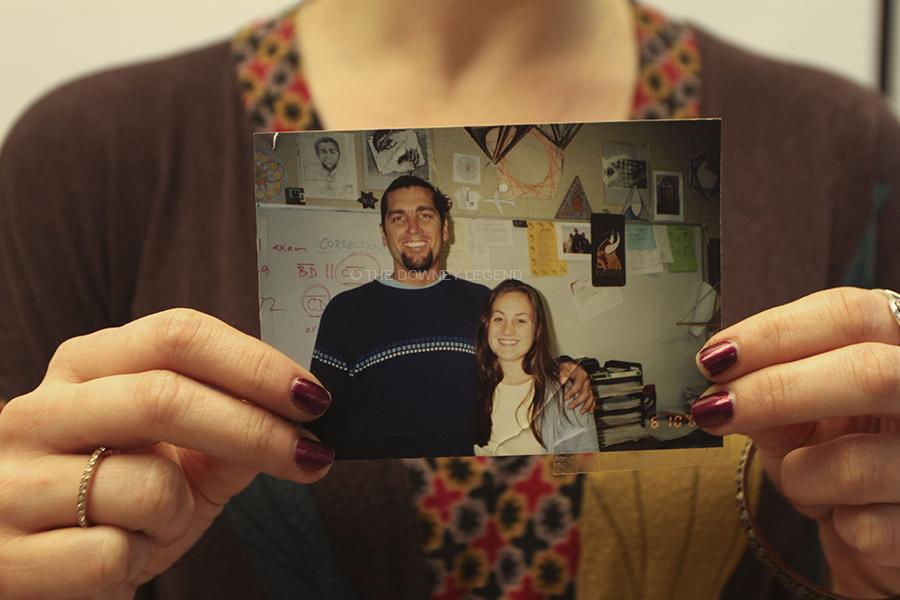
(575, 205)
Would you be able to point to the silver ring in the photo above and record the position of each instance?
(893, 299)
(84, 485)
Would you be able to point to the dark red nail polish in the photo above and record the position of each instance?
(718, 357)
(310, 396)
(712, 410)
(312, 455)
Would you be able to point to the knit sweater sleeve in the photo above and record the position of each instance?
(331, 364)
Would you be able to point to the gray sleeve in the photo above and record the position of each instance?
(567, 431)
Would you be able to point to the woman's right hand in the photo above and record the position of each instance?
(194, 408)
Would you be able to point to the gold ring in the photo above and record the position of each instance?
(84, 485)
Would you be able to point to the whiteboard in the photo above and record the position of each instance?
(307, 255)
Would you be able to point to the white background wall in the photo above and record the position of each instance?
(46, 42)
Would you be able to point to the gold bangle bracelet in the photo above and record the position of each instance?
(762, 549)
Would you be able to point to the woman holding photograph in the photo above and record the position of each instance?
(129, 192)
(520, 408)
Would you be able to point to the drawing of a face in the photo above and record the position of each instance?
(413, 231)
(329, 153)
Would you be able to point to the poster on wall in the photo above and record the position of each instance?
(328, 166)
(575, 205)
(392, 152)
(668, 196)
(608, 250)
(626, 173)
(466, 168)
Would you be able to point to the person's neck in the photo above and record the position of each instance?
(416, 278)
(513, 373)
(451, 63)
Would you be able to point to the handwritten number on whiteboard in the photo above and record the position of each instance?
(268, 302)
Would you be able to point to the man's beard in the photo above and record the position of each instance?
(419, 266)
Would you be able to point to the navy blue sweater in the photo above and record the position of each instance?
(400, 365)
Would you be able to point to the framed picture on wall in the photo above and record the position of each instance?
(668, 196)
(574, 241)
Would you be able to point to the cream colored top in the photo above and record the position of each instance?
(511, 433)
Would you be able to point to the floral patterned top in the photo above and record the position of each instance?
(502, 527)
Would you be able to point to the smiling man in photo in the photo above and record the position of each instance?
(398, 353)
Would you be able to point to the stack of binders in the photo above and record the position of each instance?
(624, 403)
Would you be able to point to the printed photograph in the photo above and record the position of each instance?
(575, 241)
(487, 332)
(667, 193)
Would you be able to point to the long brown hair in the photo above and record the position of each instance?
(537, 362)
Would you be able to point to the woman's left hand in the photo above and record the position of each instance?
(816, 385)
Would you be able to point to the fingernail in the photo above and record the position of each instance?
(310, 396)
(712, 410)
(718, 357)
(312, 455)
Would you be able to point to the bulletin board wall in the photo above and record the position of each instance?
(310, 254)
(536, 173)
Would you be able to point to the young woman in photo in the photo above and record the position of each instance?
(520, 408)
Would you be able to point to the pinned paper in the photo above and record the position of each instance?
(643, 256)
(493, 232)
(465, 253)
(472, 199)
(396, 150)
(592, 301)
(661, 235)
(640, 237)
(682, 239)
(466, 199)
(459, 255)
(644, 262)
(542, 253)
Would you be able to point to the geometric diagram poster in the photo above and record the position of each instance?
(608, 250)
(466, 168)
(575, 205)
(392, 152)
(328, 166)
(268, 170)
(626, 173)
(560, 135)
(637, 207)
(495, 141)
(705, 175)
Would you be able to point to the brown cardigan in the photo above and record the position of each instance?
(108, 185)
